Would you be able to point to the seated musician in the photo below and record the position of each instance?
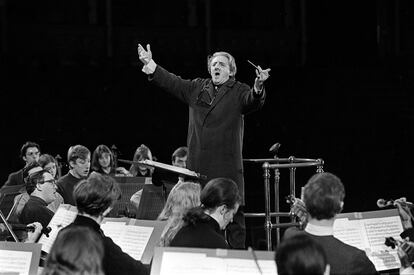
(95, 197)
(204, 225)
(77, 250)
(79, 160)
(183, 196)
(324, 198)
(41, 186)
(301, 255)
(103, 162)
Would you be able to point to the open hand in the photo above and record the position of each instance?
(144, 55)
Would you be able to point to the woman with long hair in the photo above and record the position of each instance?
(103, 162)
(183, 196)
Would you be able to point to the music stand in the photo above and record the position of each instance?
(129, 186)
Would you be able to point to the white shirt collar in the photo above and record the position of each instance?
(319, 230)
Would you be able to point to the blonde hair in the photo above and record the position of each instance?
(184, 196)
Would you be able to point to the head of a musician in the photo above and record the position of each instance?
(30, 152)
(79, 160)
(219, 199)
(40, 183)
(183, 196)
(142, 153)
(102, 159)
(324, 196)
(76, 250)
(301, 255)
(96, 195)
(49, 163)
(179, 157)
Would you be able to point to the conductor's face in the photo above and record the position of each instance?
(220, 69)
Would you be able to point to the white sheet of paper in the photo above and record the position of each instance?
(177, 263)
(369, 235)
(61, 219)
(131, 238)
(15, 261)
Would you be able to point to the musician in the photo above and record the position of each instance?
(183, 196)
(95, 198)
(41, 186)
(103, 162)
(79, 159)
(301, 255)
(217, 106)
(138, 170)
(48, 163)
(29, 153)
(76, 250)
(169, 179)
(324, 196)
(204, 225)
(179, 159)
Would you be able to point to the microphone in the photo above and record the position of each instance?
(275, 147)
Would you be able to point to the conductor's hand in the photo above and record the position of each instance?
(261, 77)
(144, 55)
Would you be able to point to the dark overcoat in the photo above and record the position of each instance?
(216, 123)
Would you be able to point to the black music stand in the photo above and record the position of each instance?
(129, 186)
(152, 201)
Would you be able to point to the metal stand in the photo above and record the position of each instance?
(275, 164)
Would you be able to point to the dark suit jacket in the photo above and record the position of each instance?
(343, 258)
(115, 261)
(205, 233)
(15, 178)
(215, 131)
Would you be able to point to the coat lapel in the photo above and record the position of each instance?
(221, 92)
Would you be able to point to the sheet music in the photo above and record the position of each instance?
(132, 239)
(351, 232)
(62, 218)
(181, 263)
(369, 235)
(15, 261)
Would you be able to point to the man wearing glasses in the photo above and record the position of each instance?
(30, 152)
(41, 186)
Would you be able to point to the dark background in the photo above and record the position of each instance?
(340, 88)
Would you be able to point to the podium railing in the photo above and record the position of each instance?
(275, 164)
